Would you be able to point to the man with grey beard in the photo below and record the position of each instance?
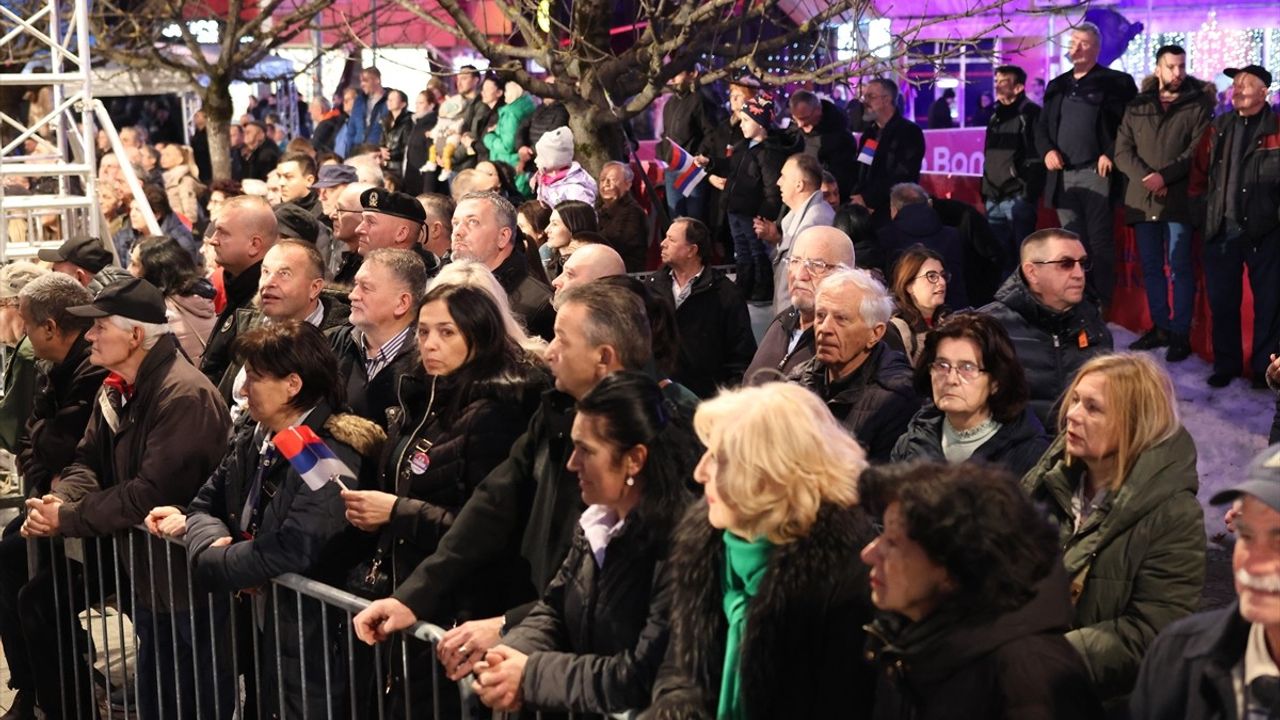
(1223, 663)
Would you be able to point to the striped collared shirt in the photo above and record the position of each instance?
(375, 362)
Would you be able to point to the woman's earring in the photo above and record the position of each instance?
(631, 482)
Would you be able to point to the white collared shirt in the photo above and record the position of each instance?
(600, 525)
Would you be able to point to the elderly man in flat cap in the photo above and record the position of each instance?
(158, 429)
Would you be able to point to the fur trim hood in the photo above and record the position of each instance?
(364, 436)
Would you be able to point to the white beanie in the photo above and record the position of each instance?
(554, 149)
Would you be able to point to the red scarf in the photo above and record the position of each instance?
(118, 383)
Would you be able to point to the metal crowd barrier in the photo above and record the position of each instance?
(132, 597)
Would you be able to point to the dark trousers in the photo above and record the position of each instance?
(1011, 220)
(1084, 208)
(13, 575)
(177, 667)
(1225, 261)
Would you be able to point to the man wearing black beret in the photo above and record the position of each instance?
(394, 220)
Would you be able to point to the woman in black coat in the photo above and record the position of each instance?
(973, 600)
(979, 411)
(595, 641)
(459, 413)
(777, 539)
(292, 380)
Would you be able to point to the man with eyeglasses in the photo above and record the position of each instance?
(1054, 327)
(347, 216)
(788, 341)
(1076, 136)
(866, 384)
(889, 152)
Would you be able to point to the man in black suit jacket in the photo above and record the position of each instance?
(889, 152)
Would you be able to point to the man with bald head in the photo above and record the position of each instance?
(590, 262)
(242, 234)
(788, 342)
(347, 216)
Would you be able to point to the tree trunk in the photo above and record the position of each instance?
(217, 111)
(597, 140)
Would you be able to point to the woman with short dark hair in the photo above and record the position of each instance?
(973, 599)
(188, 297)
(978, 392)
(256, 517)
(595, 641)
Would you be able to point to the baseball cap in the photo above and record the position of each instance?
(395, 204)
(1261, 480)
(83, 251)
(335, 175)
(134, 298)
(1255, 70)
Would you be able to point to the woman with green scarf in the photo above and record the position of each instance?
(767, 613)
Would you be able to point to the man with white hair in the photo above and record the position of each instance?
(622, 220)
(788, 341)
(158, 429)
(590, 262)
(866, 384)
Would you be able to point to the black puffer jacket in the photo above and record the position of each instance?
(470, 430)
(217, 351)
(874, 403)
(1016, 446)
(1153, 139)
(63, 404)
(597, 637)
(530, 298)
(1017, 666)
(799, 656)
(1012, 166)
(395, 137)
(1051, 345)
(752, 173)
(300, 531)
(716, 341)
(544, 118)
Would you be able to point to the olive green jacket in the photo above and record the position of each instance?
(1137, 564)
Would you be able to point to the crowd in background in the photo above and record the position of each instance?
(929, 489)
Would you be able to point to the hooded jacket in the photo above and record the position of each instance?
(577, 184)
(1152, 139)
(799, 654)
(1015, 666)
(1137, 564)
(875, 403)
(191, 319)
(716, 341)
(1051, 345)
(503, 141)
(1016, 446)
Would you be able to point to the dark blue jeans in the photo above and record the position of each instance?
(1011, 220)
(178, 671)
(1158, 241)
(1225, 261)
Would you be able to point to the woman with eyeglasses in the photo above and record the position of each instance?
(979, 400)
(920, 290)
(1121, 483)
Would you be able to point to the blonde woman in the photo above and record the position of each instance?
(1121, 482)
(181, 180)
(470, 273)
(767, 614)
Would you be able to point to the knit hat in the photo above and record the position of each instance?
(555, 149)
(760, 109)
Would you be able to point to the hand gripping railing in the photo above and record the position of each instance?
(135, 637)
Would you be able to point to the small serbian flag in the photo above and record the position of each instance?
(688, 175)
(310, 457)
(868, 153)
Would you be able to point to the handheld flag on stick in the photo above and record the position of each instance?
(688, 175)
(310, 457)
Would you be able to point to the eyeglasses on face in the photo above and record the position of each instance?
(966, 370)
(815, 267)
(934, 277)
(1068, 263)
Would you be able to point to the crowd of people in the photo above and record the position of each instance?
(931, 489)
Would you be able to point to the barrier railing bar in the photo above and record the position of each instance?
(213, 649)
(76, 659)
(275, 605)
(257, 672)
(57, 625)
(351, 660)
(380, 680)
(404, 665)
(155, 638)
(195, 643)
(302, 655)
(324, 637)
(124, 639)
(91, 700)
(235, 653)
(106, 634)
(173, 629)
(133, 607)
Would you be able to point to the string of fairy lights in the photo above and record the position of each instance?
(1209, 49)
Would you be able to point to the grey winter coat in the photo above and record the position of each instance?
(1152, 139)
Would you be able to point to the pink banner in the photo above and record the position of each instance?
(954, 152)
